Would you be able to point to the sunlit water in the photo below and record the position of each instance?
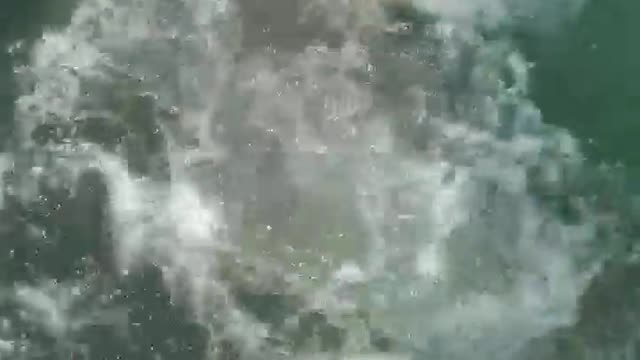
(269, 164)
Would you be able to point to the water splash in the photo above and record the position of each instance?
(401, 178)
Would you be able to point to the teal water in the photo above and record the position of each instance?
(584, 80)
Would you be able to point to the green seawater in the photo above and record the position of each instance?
(585, 78)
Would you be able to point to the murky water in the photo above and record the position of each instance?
(209, 179)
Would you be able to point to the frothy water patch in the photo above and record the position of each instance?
(401, 175)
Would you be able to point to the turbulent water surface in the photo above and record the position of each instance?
(322, 179)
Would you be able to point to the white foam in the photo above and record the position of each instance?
(548, 14)
(452, 236)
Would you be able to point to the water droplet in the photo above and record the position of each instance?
(406, 217)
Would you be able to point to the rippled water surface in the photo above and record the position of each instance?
(323, 179)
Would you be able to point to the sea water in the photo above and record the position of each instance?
(374, 171)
